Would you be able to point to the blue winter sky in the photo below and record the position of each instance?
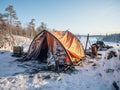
(79, 16)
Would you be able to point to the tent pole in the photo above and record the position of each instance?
(86, 42)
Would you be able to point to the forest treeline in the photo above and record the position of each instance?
(108, 38)
(112, 38)
(10, 26)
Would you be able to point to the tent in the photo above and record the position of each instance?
(52, 46)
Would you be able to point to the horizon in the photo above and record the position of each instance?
(99, 17)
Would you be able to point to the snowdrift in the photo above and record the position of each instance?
(95, 74)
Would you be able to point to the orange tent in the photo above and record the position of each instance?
(60, 46)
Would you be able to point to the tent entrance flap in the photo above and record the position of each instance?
(42, 57)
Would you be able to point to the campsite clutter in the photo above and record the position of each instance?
(61, 50)
(93, 50)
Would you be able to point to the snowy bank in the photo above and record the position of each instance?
(95, 74)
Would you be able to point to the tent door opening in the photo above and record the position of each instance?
(42, 57)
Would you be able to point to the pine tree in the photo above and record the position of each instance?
(10, 16)
(42, 27)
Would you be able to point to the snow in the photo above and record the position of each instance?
(95, 74)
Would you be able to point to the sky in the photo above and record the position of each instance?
(77, 16)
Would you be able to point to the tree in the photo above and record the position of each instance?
(10, 16)
(2, 23)
(41, 27)
(18, 28)
(7, 20)
(31, 29)
(2, 26)
(3, 32)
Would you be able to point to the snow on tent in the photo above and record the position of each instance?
(52, 46)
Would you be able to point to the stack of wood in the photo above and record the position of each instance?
(94, 51)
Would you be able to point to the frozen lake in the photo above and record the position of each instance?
(92, 40)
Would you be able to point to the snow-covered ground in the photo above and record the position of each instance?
(95, 74)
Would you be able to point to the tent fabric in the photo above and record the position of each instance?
(63, 44)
